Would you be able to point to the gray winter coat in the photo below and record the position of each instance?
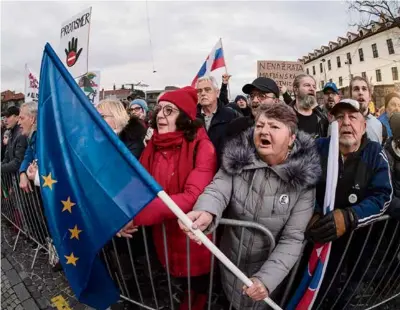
(280, 197)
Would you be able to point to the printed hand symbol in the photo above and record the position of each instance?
(72, 54)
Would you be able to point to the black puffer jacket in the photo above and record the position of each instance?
(133, 135)
(15, 151)
(394, 163)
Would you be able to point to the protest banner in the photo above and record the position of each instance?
(90, 85)
(282, 72)
(74, 43)
(31, 91)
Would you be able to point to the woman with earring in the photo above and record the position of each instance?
(267, 176)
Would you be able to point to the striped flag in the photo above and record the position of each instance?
(307, 291)
(214, 60)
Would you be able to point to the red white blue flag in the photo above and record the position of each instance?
(214, 60)
(307, 291)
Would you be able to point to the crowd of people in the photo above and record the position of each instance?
(259, 159)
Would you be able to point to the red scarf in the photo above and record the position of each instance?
(186, 157)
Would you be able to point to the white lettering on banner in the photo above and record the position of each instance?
(282, 72)
(74, 43)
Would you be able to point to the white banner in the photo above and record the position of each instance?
(74, 43)
(31, 85)
(90, 85)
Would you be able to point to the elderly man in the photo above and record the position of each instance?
(361, 90)
(17, 143)
(311, 119)
(263, 91)
(363, 193)
(212, 111)
(331, 97)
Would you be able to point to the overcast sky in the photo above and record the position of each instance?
(182, 35)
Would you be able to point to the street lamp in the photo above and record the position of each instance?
(323, 60)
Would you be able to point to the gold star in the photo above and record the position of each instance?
(68, 205)
(71, 259)
(48, 181)
(75, 232)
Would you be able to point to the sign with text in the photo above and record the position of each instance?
(74, 43)
(31, 85)
(90, 85)
(282, 72)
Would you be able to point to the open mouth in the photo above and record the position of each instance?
(347, 133)
(265, 142)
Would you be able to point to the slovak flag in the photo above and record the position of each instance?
(307, 292)
(214, 60)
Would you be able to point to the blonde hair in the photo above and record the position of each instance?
(117, 110)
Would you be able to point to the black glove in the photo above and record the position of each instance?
(332, 226)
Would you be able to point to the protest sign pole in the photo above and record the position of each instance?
(211, 246)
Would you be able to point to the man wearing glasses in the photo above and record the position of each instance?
(262, 91)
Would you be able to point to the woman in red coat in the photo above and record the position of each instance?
(182, 159)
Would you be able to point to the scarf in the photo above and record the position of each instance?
(186, 156)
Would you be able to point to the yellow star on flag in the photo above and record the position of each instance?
(68, 205)
(48, 181)
(75, 232)
(71, 259)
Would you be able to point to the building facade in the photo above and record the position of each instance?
(10, 98)
(373, 53)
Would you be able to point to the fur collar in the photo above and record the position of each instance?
(301, 169)
(134, 130)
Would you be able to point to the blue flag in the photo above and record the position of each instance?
(90, 183)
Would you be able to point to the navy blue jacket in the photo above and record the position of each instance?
(364, 181)
(30, 153)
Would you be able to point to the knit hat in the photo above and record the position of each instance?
(395, 125)
(238, 97)
(184, 98)
(141, 103)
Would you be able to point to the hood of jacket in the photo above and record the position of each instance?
(301, 169)
(133, 131)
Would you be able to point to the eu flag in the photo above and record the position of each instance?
(91, 184)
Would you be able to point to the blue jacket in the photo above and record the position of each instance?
(364, 181)
(30, 153)
(385, 121)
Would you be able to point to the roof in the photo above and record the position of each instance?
(119, 93)
(11, 96)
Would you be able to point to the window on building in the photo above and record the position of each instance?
(329, 65)
(340, 81)
(364, 75)
(313, 70)
(308, 71)
(338, 62)
(390, 46)
(395, 74)
(361, 54)
(375, 50)
(320, 68)
(322, 84)
(348, 58)
(378, 75)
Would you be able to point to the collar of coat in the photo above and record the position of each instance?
(301, 169)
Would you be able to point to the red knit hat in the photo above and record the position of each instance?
(184, 98)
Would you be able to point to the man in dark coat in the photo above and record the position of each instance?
(17, 143)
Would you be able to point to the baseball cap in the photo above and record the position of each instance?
(395, 125)
(330, 85)
(346, 103)
(263, 84)
(13, 110)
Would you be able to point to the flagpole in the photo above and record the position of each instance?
(226, 71)
(25, 71)
(211, 246)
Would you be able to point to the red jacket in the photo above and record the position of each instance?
(157, 212)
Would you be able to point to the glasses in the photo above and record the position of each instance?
(167, 109)
(207, 90)
(135, 110)
(260, 96)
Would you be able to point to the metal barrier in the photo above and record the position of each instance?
(363, 270)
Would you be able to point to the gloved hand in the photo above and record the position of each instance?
(332, 226)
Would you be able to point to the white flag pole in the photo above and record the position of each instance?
(226, 69)
(207, 242)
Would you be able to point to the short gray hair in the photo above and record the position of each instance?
(208, 79)
(32, 108)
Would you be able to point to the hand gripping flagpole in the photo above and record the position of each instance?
(207, 242)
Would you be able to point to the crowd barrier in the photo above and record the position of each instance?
(363, 270)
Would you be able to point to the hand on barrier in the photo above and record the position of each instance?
(201, 220)
(32, 169)
(24, 183)
(257, 291)
(331, 226)
(128, 230)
